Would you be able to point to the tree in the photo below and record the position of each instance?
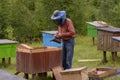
(5, 17)
(26, 20)
(110, 11)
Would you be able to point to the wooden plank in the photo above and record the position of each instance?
(56, 72)
(88, 60)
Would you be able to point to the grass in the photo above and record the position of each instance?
(84, 49)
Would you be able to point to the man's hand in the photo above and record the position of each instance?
(58, 35)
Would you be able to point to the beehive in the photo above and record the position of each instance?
(37, 60)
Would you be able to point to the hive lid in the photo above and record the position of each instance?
(116, 38)
(7, 76)
(74, 70)
(6, 41)
(110, 29)
(50, 32)
(27, 49)
(98, 24)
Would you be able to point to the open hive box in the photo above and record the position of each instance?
(101, 72)
(70, 74)
(75, 73)
(37, 60)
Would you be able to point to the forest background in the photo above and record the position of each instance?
(23, 20)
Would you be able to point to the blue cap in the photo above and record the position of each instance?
(58, 15)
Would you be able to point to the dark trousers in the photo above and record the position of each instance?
(67, 53)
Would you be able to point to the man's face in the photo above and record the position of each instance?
(58, 22)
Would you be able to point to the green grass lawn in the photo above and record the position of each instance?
(84, 49)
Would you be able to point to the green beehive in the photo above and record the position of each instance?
(7, 48)
(91, 30)
(92, 27)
